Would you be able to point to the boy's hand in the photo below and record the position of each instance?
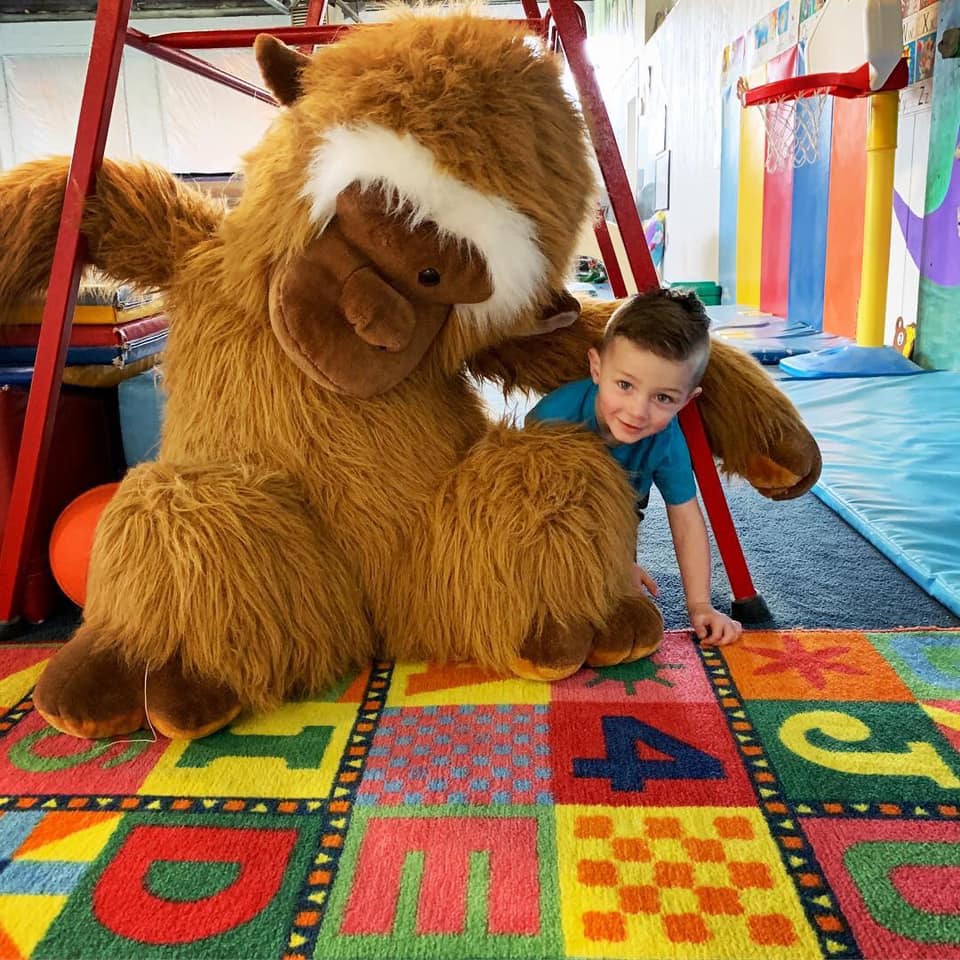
(642, 579)
(713, 627)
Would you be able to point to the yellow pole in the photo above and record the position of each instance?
(881, 151)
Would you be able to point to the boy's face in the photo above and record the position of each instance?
(638, 393)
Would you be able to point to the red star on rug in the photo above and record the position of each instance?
(810, 664)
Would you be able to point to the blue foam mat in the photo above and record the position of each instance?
(769, 339)
(891, 458)
(850, 360)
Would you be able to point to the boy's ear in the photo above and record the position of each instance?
(594, 356)
(692, 395)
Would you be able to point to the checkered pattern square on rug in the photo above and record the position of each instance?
(675, 879)
(460, 755)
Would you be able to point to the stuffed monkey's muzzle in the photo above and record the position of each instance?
(377, 313)
(359, 308)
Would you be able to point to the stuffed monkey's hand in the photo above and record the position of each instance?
(788, 470)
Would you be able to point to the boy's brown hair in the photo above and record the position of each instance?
(671, 324)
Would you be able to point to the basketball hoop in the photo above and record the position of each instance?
(792, 122)
(792, 109)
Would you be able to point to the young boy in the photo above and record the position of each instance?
(648, 368)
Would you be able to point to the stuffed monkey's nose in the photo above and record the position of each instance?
(377, 313)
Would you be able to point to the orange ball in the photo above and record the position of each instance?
(72, 540)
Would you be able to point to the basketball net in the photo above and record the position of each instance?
(792, 123)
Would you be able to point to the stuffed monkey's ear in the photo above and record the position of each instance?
(560, 311)
(281, 66)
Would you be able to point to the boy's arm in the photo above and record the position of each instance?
(693, 557)
(692, 547)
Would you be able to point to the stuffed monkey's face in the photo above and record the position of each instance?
(359, 309)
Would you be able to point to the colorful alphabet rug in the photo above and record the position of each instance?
(796, 795)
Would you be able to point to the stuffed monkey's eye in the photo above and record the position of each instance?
(428, 278)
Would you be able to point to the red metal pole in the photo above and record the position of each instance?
(140, 41)
(609, 255)
(217, 39)
(316, 10)
(573, 37)
(220, 39)
(569, 20)
(106, 50)
(747, 602)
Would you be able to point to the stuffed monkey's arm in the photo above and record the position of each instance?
(544, 362)
(752, 426)
(138, 226)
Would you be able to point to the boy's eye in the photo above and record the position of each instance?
(624, 384)
(664, 398)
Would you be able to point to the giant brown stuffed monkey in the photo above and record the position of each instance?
(328, 487)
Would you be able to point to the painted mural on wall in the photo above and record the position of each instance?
(925, 245)
(934, 239)
(938, 326)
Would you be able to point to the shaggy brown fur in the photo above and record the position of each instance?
(287, 531)
(139, 226)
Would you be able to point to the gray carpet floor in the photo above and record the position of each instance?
(812, 569)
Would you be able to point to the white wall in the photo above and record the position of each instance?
(161, 113)
(678, 73)
(686, 55)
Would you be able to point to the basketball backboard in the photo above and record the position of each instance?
(853, 35)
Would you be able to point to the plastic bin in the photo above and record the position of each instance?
(708, 291)
(142, 402)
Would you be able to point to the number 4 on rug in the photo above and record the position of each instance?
(625, 769)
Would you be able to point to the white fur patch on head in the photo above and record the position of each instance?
(407, 171)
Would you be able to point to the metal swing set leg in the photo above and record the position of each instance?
(563, 26)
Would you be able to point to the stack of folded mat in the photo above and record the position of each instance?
(117, 332)
(116, 342)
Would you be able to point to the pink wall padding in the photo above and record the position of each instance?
(777, 206)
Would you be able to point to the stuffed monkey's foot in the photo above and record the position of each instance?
(90, 693)
(552, 652)
(633, 631)
(182, 706)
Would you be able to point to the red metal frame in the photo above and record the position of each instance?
(316, 11)
(140, 41)
(563, 26)
(573, 40)
(609, 256)
(219, 39)
(106, 50)
(850, 86)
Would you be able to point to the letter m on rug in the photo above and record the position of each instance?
(446, 846)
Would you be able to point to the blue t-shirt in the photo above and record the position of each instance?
(662, 459)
